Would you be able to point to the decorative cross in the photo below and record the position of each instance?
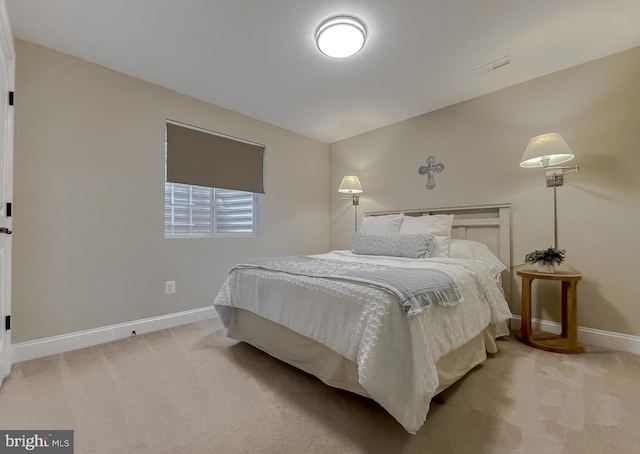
(430, 169)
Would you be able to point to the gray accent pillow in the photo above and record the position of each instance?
(415, 246)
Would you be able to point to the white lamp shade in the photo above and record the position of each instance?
(546, 150)
(350, 185)
(341, 36)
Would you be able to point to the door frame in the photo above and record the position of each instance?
(6, 148)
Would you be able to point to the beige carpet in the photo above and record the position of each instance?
(189, 390)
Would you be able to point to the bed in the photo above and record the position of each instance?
(357, 319)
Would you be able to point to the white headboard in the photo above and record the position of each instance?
(488, 224)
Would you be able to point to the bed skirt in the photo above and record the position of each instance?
(337, 371)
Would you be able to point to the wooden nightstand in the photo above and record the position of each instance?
(567, 341)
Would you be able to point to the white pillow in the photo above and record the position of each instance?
(467, 249)
(411, 246)
(382, 225)
(438, 225)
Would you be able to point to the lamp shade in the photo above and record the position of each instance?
(350, 185)
(546, 150)
(341, 36)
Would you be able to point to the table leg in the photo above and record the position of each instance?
(526, 308)
(565, 292)
(572, 311)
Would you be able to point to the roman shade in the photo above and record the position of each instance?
(203, 158)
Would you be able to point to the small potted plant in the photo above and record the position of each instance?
(547, 259)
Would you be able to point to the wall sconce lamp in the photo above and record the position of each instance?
(547, 151)
(351, 185)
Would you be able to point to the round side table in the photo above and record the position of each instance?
(567, 341)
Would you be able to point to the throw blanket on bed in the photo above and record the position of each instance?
(416, 288)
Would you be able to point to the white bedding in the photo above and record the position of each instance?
(396, 354)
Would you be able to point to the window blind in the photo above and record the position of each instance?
(204, 158)
(196, 211)
(187, 210)
(234, 212)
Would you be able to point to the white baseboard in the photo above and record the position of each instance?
(23, 351)
(588, 336)
(38, 348)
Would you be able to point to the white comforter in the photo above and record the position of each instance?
(396, 354)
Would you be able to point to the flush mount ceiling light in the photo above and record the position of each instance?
(341, 36)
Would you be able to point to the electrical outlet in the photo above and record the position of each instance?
(169, 287)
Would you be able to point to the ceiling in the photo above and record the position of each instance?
(258, 57)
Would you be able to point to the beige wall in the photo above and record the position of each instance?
(596, 107)
(89, 246)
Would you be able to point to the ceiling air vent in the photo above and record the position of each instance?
(491, 66)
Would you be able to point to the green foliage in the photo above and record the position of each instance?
(550, 255)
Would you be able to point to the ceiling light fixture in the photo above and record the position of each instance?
(341, 36)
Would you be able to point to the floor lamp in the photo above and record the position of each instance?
(351, 185)
(547, 151)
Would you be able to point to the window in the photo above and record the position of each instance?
(196, 211)
(212, 183)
